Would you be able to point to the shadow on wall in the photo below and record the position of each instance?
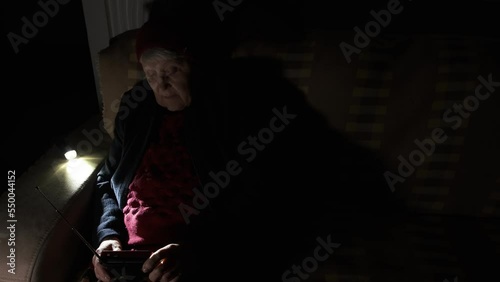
(299, 178)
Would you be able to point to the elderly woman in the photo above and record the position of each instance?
(167, 183)
(221, 169)
(149, 171)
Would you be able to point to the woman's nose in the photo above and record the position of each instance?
(164, 80)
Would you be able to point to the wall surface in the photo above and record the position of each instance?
(48, 85)
(105, 20)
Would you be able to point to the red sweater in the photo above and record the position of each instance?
(164, 179)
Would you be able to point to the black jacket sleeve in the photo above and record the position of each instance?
(108, 215)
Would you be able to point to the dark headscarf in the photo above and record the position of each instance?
(158, 34)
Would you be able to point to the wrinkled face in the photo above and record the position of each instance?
(169, 79)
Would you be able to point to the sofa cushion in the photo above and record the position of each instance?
(118, 71)
(44, 246)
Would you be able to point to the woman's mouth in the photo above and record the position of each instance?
(168, 95)
(168, 92)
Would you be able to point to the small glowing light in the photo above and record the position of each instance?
(78, 169)
(70, 154)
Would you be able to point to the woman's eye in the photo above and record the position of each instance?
(151, 77)
(169, 71)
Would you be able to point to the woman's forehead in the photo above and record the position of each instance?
(158, 63)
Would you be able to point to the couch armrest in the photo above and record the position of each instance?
(46, 249)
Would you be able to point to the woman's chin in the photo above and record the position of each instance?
(174, 106)
(171, 101)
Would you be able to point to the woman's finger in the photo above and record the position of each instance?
(101, 273)
(168, 251)
(171, 276)
(163, 269)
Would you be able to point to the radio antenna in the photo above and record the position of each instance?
(71, 226)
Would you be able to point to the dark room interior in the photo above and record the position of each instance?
(398, 129)
(65, 36)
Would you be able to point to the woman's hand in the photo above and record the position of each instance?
(164, 264)
(108, 244)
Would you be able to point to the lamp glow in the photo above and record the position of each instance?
(70, 154)
(78, 170)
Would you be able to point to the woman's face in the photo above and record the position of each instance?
(169, 79)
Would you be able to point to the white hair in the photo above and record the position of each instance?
(160, 54)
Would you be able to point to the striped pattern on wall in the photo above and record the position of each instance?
(456, 79)
(425, 247)
(371, 91)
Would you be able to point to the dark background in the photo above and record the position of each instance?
(49, 85)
